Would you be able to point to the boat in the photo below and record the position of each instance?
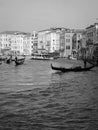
(92, 62)
(40, 57)
(13, 58)
(9, 60)
(46, 56)
(3, 57)
(75, 69)
(19, 61)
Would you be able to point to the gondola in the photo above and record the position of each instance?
(19, 61)
(75, 69)
(8, 61)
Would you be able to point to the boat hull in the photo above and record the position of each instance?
(39, 58)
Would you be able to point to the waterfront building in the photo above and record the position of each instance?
(42, 42)
(76, 42)
(83, 40)
(53, 44)
(5, 44)
(34, 42)
(17, 44)
(12, 41)
(62, 43)
(55, 40)
(82, 46)
(92, 40)
(68, 43)
(49, 40)
(27, 44)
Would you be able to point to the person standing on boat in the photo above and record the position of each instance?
(85, 62)
(85, 59)
(16, 58)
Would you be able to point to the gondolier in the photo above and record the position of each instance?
(85, 62)
(19, 61)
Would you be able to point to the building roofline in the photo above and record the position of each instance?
(14, 33)
(92, 25)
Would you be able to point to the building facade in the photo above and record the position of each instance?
(92, 40)
(43, 37)
(48, 41)
(34, 42)
(17, 44)
(68, 43)
(77, 43)
(62, 43)
(55, 41)
(27, 44)
(5, 42)
(13, 42)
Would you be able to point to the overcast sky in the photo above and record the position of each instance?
(30, 15)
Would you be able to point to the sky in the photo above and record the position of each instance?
(36, 15)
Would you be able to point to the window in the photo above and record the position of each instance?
(67, 40)
(68, 47)
(41, 41)
(48, 43)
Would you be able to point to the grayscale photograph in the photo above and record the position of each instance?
(48, 64)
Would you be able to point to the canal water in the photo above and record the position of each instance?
(34, 97)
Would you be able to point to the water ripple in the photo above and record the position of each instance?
(45, 100)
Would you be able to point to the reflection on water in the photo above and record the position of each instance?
(34, 97)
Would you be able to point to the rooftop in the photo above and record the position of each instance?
(91, 26)
(14, 33)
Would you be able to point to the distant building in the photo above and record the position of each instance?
(5, 43)
(12, 40)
